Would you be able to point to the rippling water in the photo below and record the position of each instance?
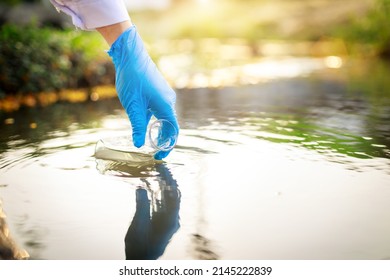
(290, 168)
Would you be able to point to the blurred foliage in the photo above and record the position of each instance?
(16, 2)
(369, 34)
(362, 25)
(31, 60)
(43, 59)
(251, 19)
(11, 2)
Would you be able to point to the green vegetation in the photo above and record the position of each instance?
(16, 2)
(36, 59)
(43, 59)
(370, 33)
(362, 25)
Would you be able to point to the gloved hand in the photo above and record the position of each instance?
(141, 88)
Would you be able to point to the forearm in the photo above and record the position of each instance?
(111, 32)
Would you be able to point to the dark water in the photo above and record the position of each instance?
(293, 167)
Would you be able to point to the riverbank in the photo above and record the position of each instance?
(215, 36)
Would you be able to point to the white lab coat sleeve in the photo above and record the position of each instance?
(91, 14)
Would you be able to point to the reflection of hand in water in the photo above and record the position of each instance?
(151, 231)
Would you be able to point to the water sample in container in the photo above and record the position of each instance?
(161, 136)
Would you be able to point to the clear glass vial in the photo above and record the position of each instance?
(161, 136)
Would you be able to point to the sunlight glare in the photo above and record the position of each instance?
(333, 62)
(203, 2)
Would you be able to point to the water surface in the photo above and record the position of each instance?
(286, 167)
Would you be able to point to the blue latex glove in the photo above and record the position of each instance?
(142, 89)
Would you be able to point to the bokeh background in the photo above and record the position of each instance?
(41, 48)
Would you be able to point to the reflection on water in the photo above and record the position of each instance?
(9, 250)
(155, 220)
(294, 167)
(201, 247)
(125, 169)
